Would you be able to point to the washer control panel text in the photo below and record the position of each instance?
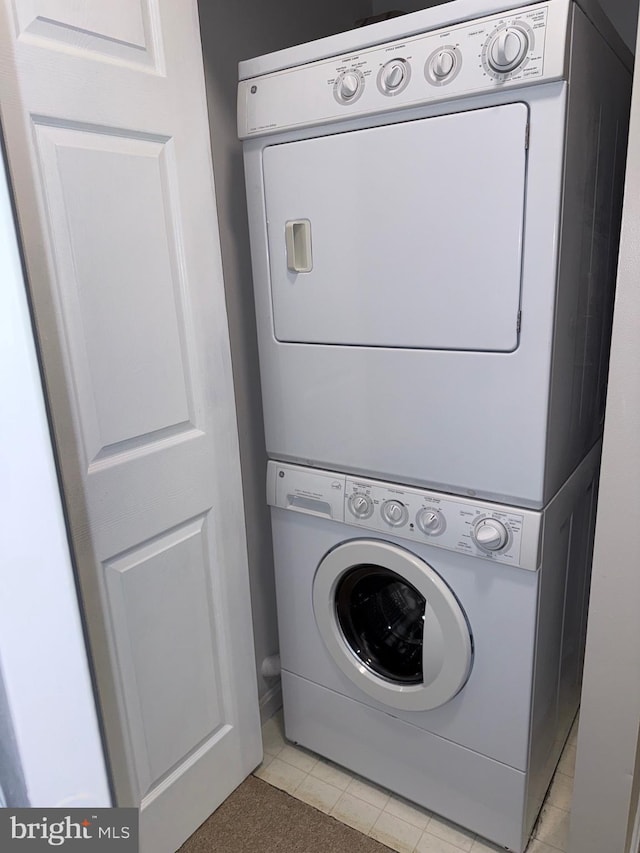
(508, 535)
(485, 530)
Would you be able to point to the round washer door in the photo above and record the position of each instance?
(392, 624)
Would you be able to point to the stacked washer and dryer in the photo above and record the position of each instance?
(434, 207)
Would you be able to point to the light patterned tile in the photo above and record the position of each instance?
(537, 846)
(407, 812)
(392, 820)
(561, 791)
(553, 827)
(273, 740)
(482, 846)
(298, 757)
(281, 775)
(369, 793)
(455, 835)
(572, 740)
(567, 763)
(266, 760)
(395, 833)
(318, 793)
(355, 812)
(432, 844)
(331, 774)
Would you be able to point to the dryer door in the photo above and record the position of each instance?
(406, 236)
(392, 624)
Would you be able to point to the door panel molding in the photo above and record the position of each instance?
(123, 32)
(160, 606)
(89, 177)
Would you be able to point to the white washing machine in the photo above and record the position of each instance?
(432, 643)
(434, 205)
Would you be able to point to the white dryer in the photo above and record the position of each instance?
(434, 205)
(431, 643)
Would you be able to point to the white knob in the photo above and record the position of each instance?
(349, 85)
(490, 534)
(394, 513)
(430, 521)
(394, 76)
(443, 64)
(508, 49)
(361, 505)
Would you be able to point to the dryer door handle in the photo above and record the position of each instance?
(297, 235)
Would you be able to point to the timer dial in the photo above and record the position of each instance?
(490, 535)
(507, 48)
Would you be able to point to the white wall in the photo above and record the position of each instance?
(231, 32)
(623, 13)
(606, 793)
(48, 721)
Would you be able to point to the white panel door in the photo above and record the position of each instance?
(408, 235)
(105, 122)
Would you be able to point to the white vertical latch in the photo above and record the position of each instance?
(297, 235)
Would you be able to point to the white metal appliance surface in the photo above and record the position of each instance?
(434, 222)
(433, 643)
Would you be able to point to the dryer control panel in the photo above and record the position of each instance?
(524, 46)
(504, 534)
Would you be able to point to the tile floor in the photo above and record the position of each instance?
(391, 820)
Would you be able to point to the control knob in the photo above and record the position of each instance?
(394, 76)
(490, 534)
(348, 86)
(443, 64)
(360, 505)
(394, 513)
(431, 522)
(508, 49)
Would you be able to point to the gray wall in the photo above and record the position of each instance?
(230, 32)
(623, 13)
(624, 16)
(606, 793)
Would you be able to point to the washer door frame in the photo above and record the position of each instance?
(447, 646)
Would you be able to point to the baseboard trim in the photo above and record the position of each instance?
(270, 702)
(634, 847)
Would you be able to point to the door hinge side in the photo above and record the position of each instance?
(526, 136)
(519, 322)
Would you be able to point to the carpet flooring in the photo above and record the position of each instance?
(258, 818)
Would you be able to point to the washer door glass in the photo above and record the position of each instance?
(392, 624)
(382, 618)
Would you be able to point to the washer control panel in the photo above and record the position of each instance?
(476, 528)
(524, 46)
(481, 529)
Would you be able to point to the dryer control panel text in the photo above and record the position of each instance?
(498, 52)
